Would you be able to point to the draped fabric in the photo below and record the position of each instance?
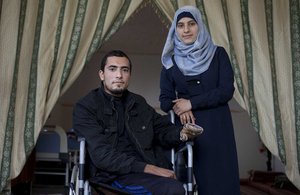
(44, 46)
(262, 38)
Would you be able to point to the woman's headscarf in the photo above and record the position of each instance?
(192, 59)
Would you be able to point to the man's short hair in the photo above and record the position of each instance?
(116, 53)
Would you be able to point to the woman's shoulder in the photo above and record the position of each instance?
(221, 52)
(220, 49)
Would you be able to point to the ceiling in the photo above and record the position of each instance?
(143, 33)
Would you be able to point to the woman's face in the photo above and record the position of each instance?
(187, 30)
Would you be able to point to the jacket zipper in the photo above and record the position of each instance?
(127, 127)
(113, 107)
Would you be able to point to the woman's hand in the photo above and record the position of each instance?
(187, 117)
(181, 106)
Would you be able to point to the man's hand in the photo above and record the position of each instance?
(181, 106)
(154, 170)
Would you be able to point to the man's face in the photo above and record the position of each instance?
(116, 75)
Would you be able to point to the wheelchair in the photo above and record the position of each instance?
(81, 186)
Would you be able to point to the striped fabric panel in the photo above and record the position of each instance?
(99, 30)
(0, 9)
(200, 6)
(295, 40)
(57, 40)
(249, 64)
(31, 101)
(75, 39)
(277, 112)
(234, 61)
(118, 22)
(9, 132)
(175, 4)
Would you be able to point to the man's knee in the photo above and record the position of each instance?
(177, 190)
(174, 187)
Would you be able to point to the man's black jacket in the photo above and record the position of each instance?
(95, 118)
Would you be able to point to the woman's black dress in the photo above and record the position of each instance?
(215, 156)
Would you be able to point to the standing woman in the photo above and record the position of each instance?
(197, 83)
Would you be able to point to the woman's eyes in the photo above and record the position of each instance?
(190, 24)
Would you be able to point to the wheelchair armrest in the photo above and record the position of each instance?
(188, 146)
(172, 116)
(184, 146)
(79, 139)
(189, 142)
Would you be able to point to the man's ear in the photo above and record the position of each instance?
(101, 75)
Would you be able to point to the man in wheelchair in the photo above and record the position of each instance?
(122, 133)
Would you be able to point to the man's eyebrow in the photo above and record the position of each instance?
(115, 66)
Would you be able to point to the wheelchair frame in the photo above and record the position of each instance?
(191, 188)
(84, 188)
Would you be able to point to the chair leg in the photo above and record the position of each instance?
(67, 175)
(86, 188)
(73, 180)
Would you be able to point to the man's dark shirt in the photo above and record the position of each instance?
(124, 144)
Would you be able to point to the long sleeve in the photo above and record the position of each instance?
(223, 92)
(166, 133)
(167, 91)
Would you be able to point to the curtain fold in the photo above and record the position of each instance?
(44, 45)
(262, 39)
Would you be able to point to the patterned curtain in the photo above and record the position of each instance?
(262, 38)
(44, 45)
